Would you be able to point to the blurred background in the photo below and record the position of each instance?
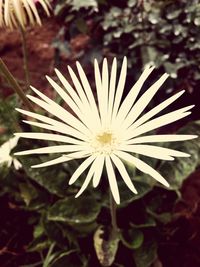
(40, 222)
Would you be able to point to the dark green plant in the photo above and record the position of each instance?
(75, 232)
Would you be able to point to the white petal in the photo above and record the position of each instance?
(78, 88)
(6, 160)
(17, 164)
(69, 89)
(99, 90)
(157, 122)
(60, 129)
(120, 87)
(124, 174)
(50, 137)
(81, 169)
(34, 10)
(9, 161)
(81, 115)
(87, 179)
(154, 151)
(61, 113)
(143, 101)
(88, 92)
(160, 138)
(105, 89)
(56, 125)
(7, 13)
(53, 149)
(142, 166)
(29, 12)
(87, 109)
(157, 109)
(1, 14)
(62, 94)
(12, 142)
(61, 159)
(6, 147)
(112, 88)
(112, 180)
(19, 12)
(50, 162)
(45, 6)
(133, 93)
(98, 171)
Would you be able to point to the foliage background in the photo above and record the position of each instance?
(63, 231)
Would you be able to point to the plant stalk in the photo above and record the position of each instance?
(13, 83)
(113, 208)
(25, 56)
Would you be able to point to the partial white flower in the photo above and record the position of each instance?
(107, 132)
(23, 12)
(5, 151)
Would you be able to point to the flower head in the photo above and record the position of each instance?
(105, 133)
(5, 157)
(21, 12)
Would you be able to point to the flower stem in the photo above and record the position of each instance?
(11, 80)
(113, 208)
(25, 56)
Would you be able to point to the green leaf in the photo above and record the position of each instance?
(81, 25)
(27, 192)
(77, 4)
(132, 238)
(106, 245)
(197, 21)
(75, 211)
(143, 184)
(38, 244)
(164, 217)
(173, 13)
(175, 172)
(62, 234)
(8, 115)
(132, 3)
(146, 254)
(38, 231)
(69, 259)
(50, 256)
(54, 179)
(149, 222)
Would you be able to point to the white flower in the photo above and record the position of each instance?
(5, 150)
(106, 134)
(23, 12)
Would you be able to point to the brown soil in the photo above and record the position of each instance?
(41, 53)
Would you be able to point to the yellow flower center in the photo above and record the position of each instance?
(104, 142)
(105, 138)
